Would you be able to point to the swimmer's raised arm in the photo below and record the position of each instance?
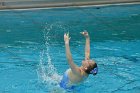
(87, 45)
(73, 66)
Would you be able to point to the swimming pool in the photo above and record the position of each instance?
(32, 48)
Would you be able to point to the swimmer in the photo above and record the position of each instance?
(75, 74)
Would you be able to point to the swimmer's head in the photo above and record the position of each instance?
(90, 67)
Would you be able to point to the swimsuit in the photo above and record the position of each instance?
(65, 82)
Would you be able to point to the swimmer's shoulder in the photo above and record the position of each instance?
(81, 72)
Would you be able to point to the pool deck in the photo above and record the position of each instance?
(25, 4)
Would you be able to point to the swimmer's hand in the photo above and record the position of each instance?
(66, 38)
(85, 33)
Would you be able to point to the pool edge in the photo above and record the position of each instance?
(67, 5)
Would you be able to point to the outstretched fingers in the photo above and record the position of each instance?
(66, 37)
(84, 33)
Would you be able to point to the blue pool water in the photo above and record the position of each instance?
(32, 48)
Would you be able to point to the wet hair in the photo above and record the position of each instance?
(91, 67)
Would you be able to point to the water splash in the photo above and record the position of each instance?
(47, 73)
